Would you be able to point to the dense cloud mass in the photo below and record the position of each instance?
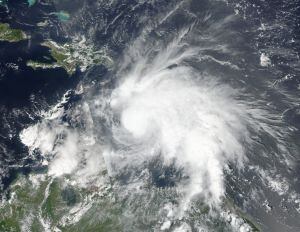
(173, 112)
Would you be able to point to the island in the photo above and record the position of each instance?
(72, 55)
(11, 35)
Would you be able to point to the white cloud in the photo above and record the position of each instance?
(183, 116)
(265, 60)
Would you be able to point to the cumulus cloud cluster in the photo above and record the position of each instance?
(66, 149)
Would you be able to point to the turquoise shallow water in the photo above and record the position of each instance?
(31, 2)
(63, 15)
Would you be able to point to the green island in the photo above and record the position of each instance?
(71, 56)
(11, 35)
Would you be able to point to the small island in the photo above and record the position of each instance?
(11, 35)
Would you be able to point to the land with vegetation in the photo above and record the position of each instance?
(11, 35)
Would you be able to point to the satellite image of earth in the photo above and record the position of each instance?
(149, 115)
